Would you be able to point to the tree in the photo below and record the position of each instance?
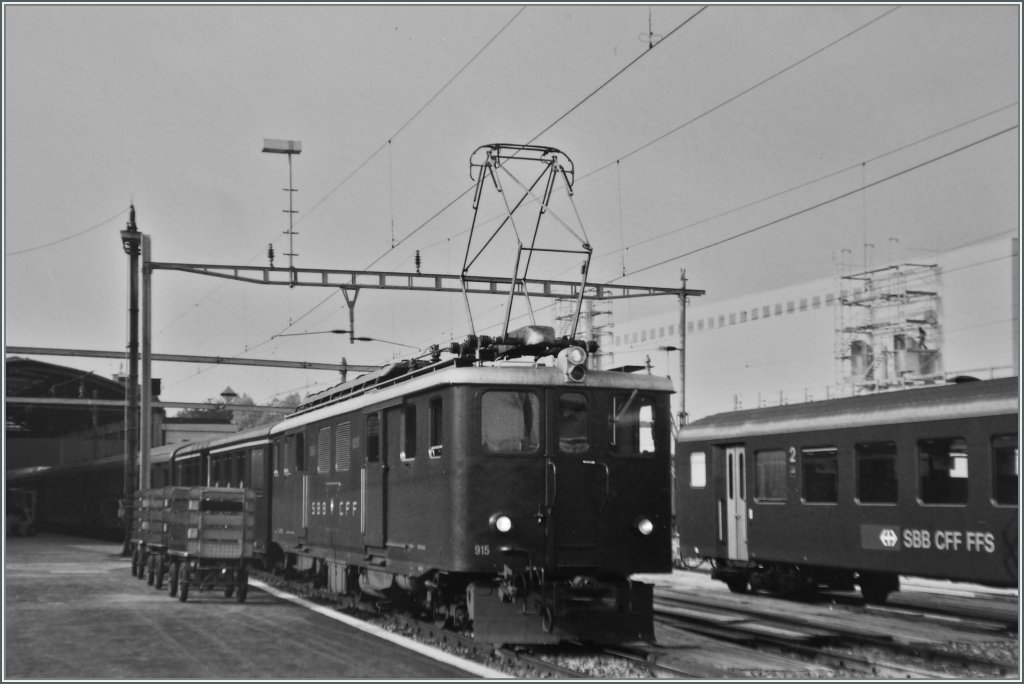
(250, 419)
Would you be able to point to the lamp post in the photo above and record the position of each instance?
(287, 147)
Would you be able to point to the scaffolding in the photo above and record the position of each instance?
(594, 324)
(888, 328)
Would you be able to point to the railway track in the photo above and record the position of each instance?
(722, 635)
(846, 640)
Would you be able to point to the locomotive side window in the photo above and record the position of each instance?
(698, 470)
(572, 423)
(373, 438)
(876, 472)
(770, 476)
(820, 469)
(409, 452)
(436, 428)
(323, 451)
(343, 447)
(509, 422)
(632, 425)
(942, 466)
(1005, 469)
(393, 432)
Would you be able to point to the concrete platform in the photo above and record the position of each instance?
(72, 610)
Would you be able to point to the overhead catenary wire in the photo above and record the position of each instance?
(66, 238)
(805, 184)
(823, 203)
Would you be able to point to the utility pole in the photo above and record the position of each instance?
(682, 350)
(131, 240)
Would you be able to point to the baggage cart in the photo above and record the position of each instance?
(211, 532)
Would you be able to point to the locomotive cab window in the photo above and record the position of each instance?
(1005, 470)
(770, 476)
(876, 472)
(942, 468)
(509, 422)
(632, 425)
(572, 423)
(820, 468)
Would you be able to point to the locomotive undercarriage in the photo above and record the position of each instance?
(513, 607)
(800, 581)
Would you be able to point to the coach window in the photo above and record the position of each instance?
(509, 422)
(770, 476)
(300, 452)
(1005, 469)
(256, 461)
(572, 423)
(876, 472)
(323, 451)
(287, 449)
(698, 470)
(373, 438)
(436, 428)
(942, 466)
(821, 473)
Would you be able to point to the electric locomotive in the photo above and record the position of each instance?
(856, 491)
(510, 490)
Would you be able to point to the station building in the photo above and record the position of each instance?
(900, 324)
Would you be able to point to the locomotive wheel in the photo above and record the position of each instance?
(547, 619)
(159, 575)
(172, 579)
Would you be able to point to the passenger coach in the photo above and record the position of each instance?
(856, 491)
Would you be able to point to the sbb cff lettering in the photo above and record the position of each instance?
(950, 540)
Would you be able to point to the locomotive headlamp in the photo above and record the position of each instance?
(644, 526)
(501, 522)
(573, 362)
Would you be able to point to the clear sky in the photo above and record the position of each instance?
(750, 146)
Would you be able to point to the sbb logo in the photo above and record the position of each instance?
(888, 537)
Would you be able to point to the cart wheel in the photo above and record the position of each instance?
(172, 579)
(159, 572)
(151, 569)
(242, 580)
(183, 583)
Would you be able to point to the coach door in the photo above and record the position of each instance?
(735, 503)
